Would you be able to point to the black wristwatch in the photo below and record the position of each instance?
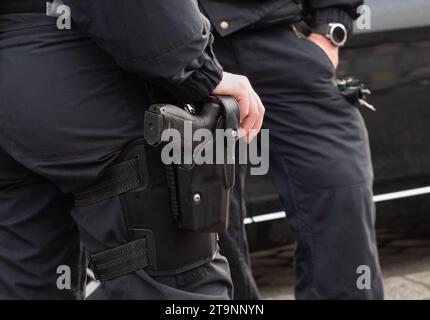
(335, 32)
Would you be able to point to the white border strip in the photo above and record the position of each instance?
(401, 194)
(269, 217)
(265, 217)
(378, 198)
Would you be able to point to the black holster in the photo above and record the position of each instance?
(168, 230)
(200, 194)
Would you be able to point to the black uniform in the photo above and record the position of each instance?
(319, 152)
(68, 108)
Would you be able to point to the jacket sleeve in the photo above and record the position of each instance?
(322, 11)
(167, 41)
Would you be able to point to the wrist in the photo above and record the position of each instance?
(325, 44)
(322, 41)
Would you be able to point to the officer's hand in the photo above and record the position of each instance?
(251, 107)
(325, 44)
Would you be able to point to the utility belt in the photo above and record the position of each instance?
(48, 7)
(286, 15)
(173, 212)
(22, 6)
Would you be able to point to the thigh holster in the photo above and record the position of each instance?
(167, 231)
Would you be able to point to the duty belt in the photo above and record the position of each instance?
(22, 6)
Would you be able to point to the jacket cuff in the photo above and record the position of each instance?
(201, 77)
(328, 15)
(199, 85)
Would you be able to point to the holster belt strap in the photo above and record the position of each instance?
(22, 6)
(119, 261)
(117, 180)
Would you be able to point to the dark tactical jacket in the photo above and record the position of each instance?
(165, 41)
(229, 16)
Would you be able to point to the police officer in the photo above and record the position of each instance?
(73, 168)
(319, 151)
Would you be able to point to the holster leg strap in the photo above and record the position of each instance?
(120, 178)
(116, 262)
(138, 179)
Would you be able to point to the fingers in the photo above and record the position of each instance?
(252, 123)
(251, 108)
(244, 101)
(248, 122)
(259, 123)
